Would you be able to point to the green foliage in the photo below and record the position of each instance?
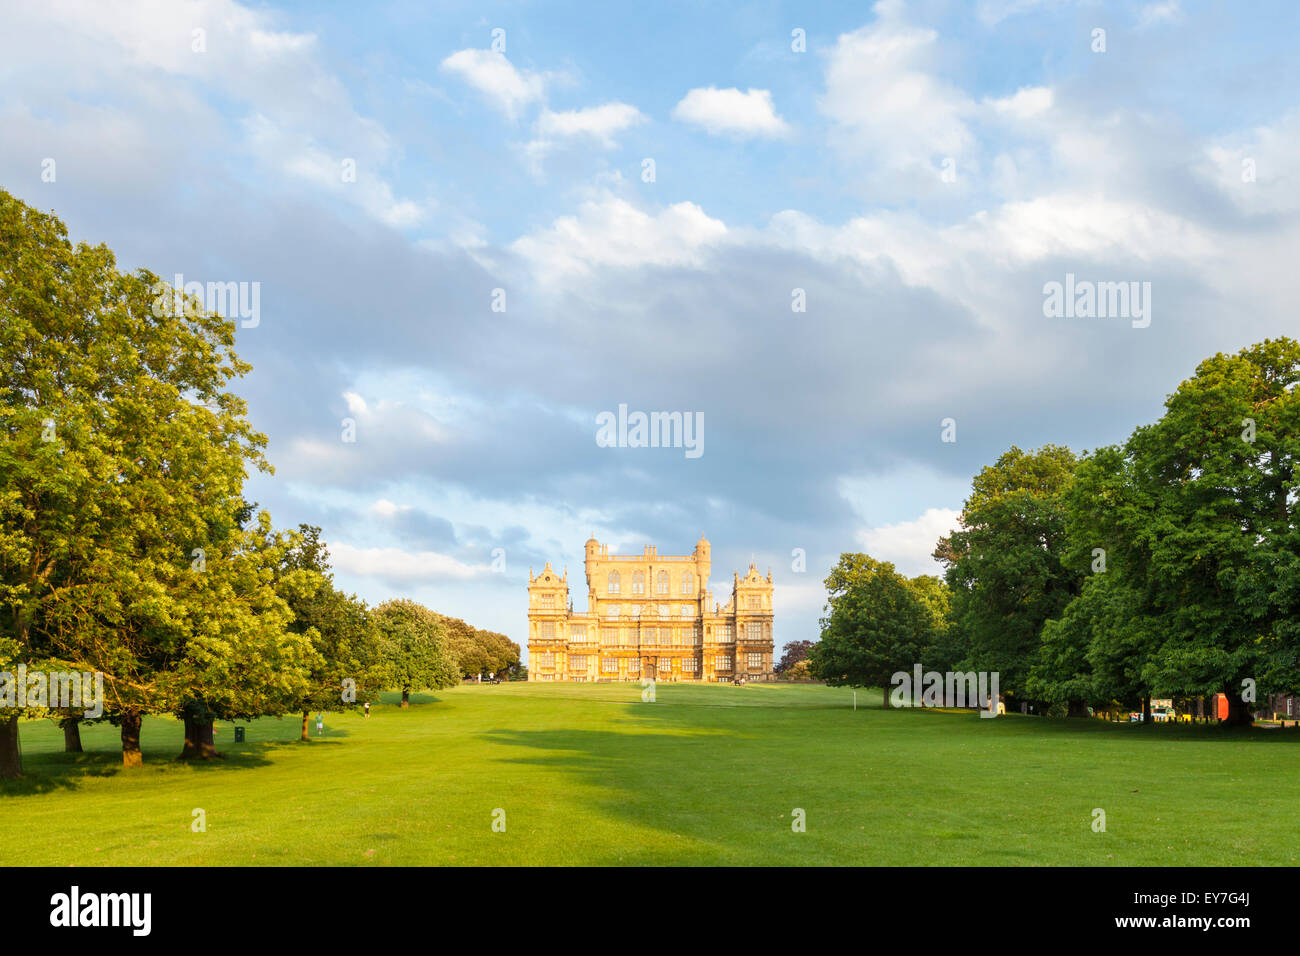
(480, 652)
(122, 458)
(1004, 564)
(1197, 516)
(878, 624)
(415, 649)
(345, 640)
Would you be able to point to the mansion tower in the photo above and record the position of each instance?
(649, 615)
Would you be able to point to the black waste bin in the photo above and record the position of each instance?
(239, 735)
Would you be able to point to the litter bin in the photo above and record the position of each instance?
(239, 735)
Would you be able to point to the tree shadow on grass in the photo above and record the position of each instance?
(669, 783)
(394, 700)
(44, 772)
(1167, 732)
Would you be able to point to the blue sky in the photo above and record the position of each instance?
(219, 154)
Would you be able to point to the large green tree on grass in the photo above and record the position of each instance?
(1197, 516)
(346, 667)
(480, 652)
(240, 656)
(878, 625)
(1004, 564)
(416, 652)
(122, 451)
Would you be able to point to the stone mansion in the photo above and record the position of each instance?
(649, 615)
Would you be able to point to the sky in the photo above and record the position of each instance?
(825, 231)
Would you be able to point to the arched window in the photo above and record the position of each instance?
(663, 582)
(638, 582)
(613, 582)
(688, 582)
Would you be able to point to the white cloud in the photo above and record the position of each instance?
(510, 89)
(296, 116)
(300, 156)
(1026, 103)
(1168, 11)
(598, 124)
(885, 103)
(731, 112)
(910, 544)
(394, 564)
(613, 232)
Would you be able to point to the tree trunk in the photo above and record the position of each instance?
(406, 697)
(207, 744)
(71, 735)
(199, 744)
(1239, 714)
(1146, 710)
(305, 735)
(131, 755)
(11, 761)
(1076, 708)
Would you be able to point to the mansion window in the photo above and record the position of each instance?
(608, 635)
(611, 610)
(577, 662)
(545, 660)
(753, 602)
(661, 583)
(613, 582)
(628, 636)
(634, 667)
(665, 665)
(665, 610)
(609, 665)
(695, 634)
(722, 662)
(546, 630)
(726, 632)
(546, 602)
(638, 582)
(688, 665)
(577, 632)
(684, 610)
(755, 661)
(688, 583)
(754, 632)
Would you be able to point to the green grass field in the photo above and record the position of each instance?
(588, 774)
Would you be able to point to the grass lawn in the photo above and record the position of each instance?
(588, 774)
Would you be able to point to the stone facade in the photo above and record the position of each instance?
(649, 615)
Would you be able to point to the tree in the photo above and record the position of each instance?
(344, 638)
(1004, 565)
(1197, 516)
(240, 656)
(503, 653)
(480, 652)
(877, 626)
(793, 653)
(415, 649)
(122, 453)
(472, 657)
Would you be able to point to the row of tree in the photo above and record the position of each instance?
(1166, 566)
(127, 547)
